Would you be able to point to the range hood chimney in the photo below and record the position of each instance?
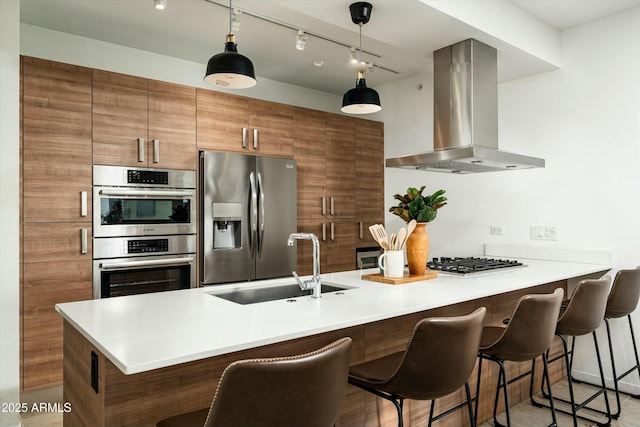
(465, 131)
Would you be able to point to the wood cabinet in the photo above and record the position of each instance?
(338, 158)
(228, 122)
(56, 217)
(370, 207)
(144, 123)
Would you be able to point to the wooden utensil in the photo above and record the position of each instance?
(410, 227)
(402, 238)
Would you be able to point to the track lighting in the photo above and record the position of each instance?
(301, 40)
(160, 4)
(230, 69)
(361, 99)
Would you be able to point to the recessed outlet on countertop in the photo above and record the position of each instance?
(497, 230)
(544, 232)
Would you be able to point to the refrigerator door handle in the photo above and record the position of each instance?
(261, 219)
(253, 220)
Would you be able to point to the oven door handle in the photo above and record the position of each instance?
(145, 263)
(147, 193)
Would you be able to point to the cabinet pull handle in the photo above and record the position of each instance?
(324, 232)
(141, 149)
(83, 203)
(333, 231)
(361, 227)
(324, 206)
(244, 137)
(83, 240)
(333, 211)
(156, 150)
(255, 138)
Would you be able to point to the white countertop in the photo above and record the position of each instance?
(144, 332)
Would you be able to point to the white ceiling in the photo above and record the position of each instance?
(402, 34)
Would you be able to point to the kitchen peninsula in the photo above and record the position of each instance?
(137, 359)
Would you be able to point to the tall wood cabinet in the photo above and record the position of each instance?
(235, 123)
(143, 123)
(56, 260)
(338, 157)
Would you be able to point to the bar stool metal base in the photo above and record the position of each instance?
(503, 383)
(398, 402)
(575, 407)
(616, 378)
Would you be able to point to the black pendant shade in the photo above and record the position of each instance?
(361, 99)
(230, 69)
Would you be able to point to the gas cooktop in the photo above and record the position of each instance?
(471, 265)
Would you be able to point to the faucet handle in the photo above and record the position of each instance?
(302, 284)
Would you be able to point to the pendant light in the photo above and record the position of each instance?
(230, 69)
(361, 99)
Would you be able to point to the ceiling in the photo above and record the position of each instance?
(398, 40)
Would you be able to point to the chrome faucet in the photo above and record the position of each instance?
(315, 280)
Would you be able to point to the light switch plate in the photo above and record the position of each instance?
(497, 230)
(544, 232)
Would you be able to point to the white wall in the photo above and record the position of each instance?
(584, 119)
(9, 208)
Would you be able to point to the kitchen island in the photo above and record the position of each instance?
(137, 359)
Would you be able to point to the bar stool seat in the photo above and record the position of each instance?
(305, 390)
(583, 315)
(527, 335)
(437, 361)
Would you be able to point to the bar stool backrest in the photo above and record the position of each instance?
(624, 295)
(531, 328)
(586, 308)
(304, 391)
(439, 356)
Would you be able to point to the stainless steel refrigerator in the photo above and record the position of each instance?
(248, 209)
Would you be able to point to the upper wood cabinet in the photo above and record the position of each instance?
(234, 123)
(310, 152)
(56, 138)
(144, 123)
(369, 166)
(341, 176)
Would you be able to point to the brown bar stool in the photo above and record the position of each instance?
(582, 315)
(437, 361)
(303, 391)
(622, 301)
(527, 335)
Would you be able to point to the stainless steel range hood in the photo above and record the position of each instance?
(465, 130)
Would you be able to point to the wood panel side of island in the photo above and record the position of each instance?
(145, 398)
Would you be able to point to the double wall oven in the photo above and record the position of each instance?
(144, 230)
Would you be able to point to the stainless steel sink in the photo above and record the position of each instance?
(273, 293)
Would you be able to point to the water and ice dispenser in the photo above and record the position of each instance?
(227, 225)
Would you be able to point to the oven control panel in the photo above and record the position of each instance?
(147, 245)
(136, 176)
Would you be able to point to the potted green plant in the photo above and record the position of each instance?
(414, 206)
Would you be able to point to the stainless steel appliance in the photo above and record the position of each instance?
(471, 265)
(141, 202)
(144, 223)
(138, 265)
(367, 257)
(248, 209)
(465, 105)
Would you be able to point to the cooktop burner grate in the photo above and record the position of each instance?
(471, 265)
